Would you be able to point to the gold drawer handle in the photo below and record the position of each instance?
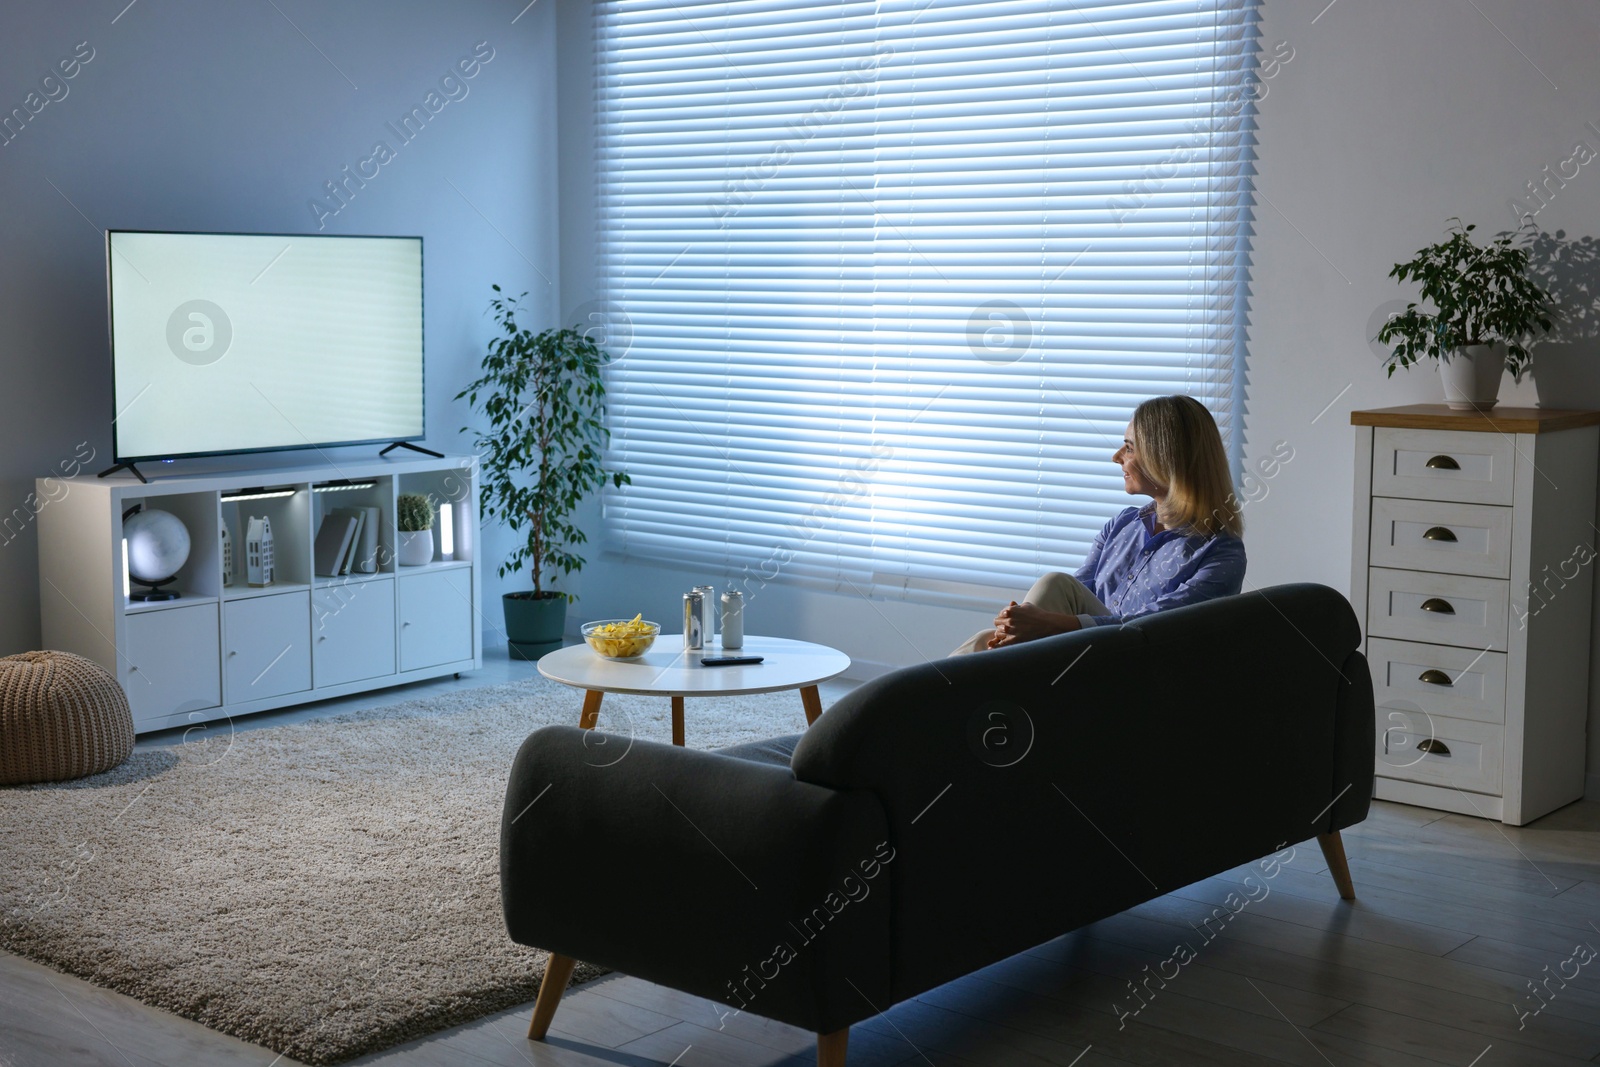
(1439, 533)
(1443, 463)
(1433, 677)
(1433, 747)
(1443, 607)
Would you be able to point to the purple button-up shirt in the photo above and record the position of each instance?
(1135, 572)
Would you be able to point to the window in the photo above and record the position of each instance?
(896, 274)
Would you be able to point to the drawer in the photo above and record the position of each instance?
(1441, 609)
(1416, 747)
(1459, 465)
(1439, 679)
(1430, 535)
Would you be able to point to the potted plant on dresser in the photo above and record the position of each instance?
(544, 399)
(1485, 313)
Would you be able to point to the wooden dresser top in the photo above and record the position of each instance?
(1498, 420)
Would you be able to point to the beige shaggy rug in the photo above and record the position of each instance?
(324, 889)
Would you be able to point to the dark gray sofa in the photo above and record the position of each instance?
(944, 816)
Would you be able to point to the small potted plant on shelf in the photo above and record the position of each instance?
(414, 517)
(541, 456)
(1485, 313)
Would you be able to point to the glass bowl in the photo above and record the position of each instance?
(623, 647)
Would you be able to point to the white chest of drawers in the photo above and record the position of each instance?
(1472, 571)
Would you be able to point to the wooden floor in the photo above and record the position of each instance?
(1431, 965)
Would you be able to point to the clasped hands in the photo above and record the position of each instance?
(1028, 622)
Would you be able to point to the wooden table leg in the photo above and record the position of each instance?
(591, 709)
(677, 721)
(557, 973)
(812, 701)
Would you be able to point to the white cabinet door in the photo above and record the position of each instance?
(435, 618)
(268, 649)
(352, 631)
(173, 658)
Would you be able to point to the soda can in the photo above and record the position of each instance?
(694, 638)
(733, 619)
(708, 611)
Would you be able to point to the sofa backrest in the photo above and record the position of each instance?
(1035, 788)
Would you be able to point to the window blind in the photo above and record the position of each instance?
(896, 274)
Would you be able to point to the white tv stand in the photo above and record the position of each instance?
(224, 648)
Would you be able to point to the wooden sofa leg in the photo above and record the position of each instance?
(1338, 866)
(557, 973)
(831, 1047)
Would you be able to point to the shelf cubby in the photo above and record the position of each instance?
(358, 493)
(457, 487)
(289, 517)
(200, 575)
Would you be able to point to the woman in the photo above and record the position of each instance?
(1183, 547)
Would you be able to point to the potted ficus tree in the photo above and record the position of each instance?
(1486, 310)
(541, 456)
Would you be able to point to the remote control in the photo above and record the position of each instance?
(728, 661)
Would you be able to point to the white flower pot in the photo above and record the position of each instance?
(1471, 377)
(416, 548)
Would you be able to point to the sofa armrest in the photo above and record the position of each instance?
(718, 876)
(1354, 727)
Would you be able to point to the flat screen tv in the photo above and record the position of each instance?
(226, 343)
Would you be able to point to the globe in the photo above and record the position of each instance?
(158, 544)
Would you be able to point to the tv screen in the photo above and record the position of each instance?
(253, 342)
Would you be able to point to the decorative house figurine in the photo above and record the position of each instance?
(258, 552)
(227, 556)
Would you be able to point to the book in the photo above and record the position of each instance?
(333, 544)
(367, 559)
(355, 537)
(363, 554)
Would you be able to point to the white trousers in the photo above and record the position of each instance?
(1056, 592)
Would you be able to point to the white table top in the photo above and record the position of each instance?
(668, 670)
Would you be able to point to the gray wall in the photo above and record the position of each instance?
(1389, 118)
(204, 116)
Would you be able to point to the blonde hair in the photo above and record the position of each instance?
(1177, 446)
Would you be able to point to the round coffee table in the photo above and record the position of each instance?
(670, 671)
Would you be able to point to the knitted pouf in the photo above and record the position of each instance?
(61, 716)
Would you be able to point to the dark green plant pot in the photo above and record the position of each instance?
(534, 624)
